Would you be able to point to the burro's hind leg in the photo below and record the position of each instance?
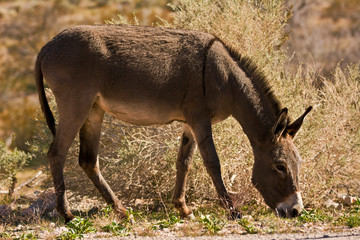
(183, 164)
(201, 128)
(88, 160)
(71, 117)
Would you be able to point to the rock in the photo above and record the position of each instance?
(340, 207)
(5, 210)
(331, 204)
(45, 203)
(348, 200)
(141, 202)
(5, 213)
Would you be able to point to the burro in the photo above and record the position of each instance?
(151, 75)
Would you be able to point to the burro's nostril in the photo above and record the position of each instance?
(295, 212)
(280, 213)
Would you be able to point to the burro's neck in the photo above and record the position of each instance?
(255, 107)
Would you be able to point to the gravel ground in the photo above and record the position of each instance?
(330, 236)
(350, 234)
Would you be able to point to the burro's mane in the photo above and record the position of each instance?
(257, 77)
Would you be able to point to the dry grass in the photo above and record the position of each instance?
(139, 163)
(25, 26)
(329, 139)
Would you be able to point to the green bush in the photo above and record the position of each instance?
(11, 162)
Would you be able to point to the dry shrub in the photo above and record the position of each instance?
(329, 139)
(255, 28)
(139, 162)
(25, 26)
(330, 144)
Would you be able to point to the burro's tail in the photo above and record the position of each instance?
(42, 96)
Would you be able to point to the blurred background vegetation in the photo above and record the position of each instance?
(309, 49)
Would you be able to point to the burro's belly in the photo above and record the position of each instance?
(142, 112)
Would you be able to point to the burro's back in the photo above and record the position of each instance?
(147, 75)
(138, 67)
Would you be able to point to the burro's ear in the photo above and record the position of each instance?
(280, 125)
(294, 127)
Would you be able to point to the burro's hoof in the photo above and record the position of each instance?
(234, 214)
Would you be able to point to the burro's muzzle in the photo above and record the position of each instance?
(291, 207)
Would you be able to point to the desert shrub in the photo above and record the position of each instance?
(329, 139)
(139, 162)
(21, 38)
(255, 28)
(149, 154)
(330, 144)
(11, 162)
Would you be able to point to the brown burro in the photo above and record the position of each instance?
(152, 75)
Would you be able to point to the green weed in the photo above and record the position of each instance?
(5, 235)
(211, 223)
(167, 223)
(249, 227)
(117, 229)
(76, 228)
(107, 211)
(313, 215)
(356, 208)
(26, 236)
(353, 219)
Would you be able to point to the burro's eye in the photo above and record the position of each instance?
(280, 168)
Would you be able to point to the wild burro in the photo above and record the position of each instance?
(146, 75)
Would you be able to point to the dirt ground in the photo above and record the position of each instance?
(351, 234)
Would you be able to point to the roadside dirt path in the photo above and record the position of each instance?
(351, 234)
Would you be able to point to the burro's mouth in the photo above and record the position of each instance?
(291, 207)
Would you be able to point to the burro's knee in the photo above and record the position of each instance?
(89, 164)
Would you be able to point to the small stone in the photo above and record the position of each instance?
(340, 207)
(331, 204)
(19, 227)
(5, 211)
(139, 202)
(348, 200)
(191, 217)
(52, 224)
(247, 217)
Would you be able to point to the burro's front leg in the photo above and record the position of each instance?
(203, 135)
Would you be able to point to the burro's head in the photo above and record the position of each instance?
(276, 167)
